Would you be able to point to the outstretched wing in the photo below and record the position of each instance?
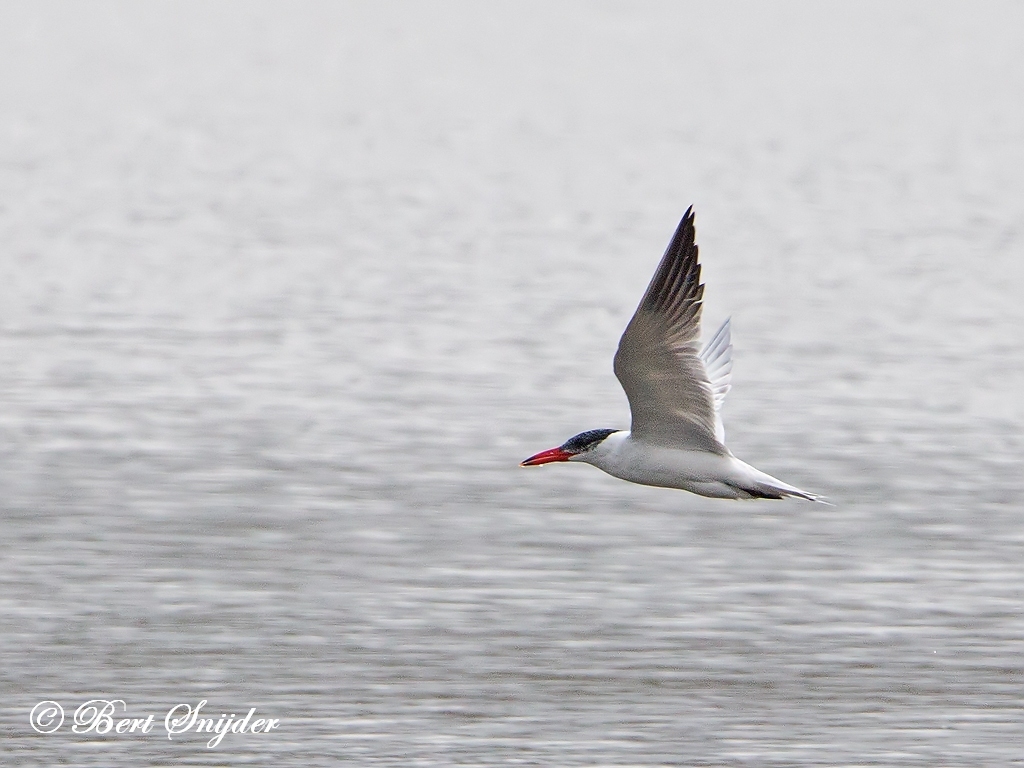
(717, 359)
(671, 397)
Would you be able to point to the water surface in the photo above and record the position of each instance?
(288, 290)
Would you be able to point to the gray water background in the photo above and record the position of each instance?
(287, 290)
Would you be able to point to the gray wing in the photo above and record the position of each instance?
(671, 397)
(717, 359)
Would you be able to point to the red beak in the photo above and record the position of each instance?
(546, 457)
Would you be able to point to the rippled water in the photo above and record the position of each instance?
(288, 290)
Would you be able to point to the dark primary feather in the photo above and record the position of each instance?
(657, 362)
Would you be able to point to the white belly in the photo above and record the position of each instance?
(699, 472)
(720, 476)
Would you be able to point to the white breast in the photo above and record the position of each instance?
(638, 462)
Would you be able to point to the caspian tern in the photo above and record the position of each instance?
(675, 395)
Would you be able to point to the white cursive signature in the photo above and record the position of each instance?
(100, 716)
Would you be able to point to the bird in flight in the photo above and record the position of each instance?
(675, 392)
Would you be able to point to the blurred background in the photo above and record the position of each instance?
(287, 290)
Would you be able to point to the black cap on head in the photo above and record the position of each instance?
(586, 440)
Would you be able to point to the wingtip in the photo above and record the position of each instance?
(815, 498)
(685, 226)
